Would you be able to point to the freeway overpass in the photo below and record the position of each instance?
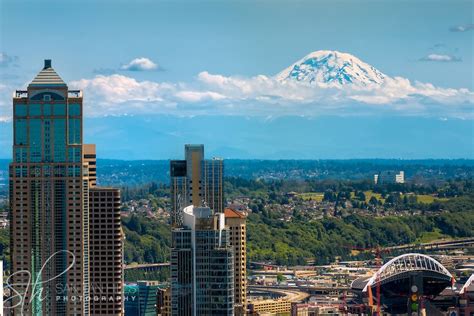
(437, 245)
(292, 294)
(313, 290)
(147, 266)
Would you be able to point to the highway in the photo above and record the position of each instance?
(147, 266)
(305, 289)
(437, 245)
(289, 294)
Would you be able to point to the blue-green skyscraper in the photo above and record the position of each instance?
(49, 200)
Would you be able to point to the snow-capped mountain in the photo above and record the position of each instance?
(332, 68)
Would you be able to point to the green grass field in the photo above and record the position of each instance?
(318, 196)
(312, 196)
(430, 236)
(428, 199)
(421, 198)
(370, 194)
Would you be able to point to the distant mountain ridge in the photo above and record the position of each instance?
(288, 137)
(332, 68)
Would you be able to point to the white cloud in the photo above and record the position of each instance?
(197, 96)
(119, 95)
(441, 58)
(462, 28)
(262, 95)
(140, 64)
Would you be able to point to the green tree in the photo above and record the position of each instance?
(280, 278)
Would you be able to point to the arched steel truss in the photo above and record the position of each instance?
(406, 263)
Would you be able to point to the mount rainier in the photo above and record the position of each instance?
(332, 68)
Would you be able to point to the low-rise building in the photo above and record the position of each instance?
(269, 307)
(385, 177)
(312, 309)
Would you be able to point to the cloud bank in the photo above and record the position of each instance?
(215, 94)
(266, 96)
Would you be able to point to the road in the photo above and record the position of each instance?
(437, 245)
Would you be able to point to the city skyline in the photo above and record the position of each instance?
(328, 163)
(173, 71)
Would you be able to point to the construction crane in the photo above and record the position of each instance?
(377, 251)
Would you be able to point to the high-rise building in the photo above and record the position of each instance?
(47, 200)
(202, 265)
(106, 251)
(235, 221)
(196, 181)
(51, 180)
(105, 241)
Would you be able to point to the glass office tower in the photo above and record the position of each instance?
(202, 280)
(202, 265)
(196, 181)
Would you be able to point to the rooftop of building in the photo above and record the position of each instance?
(89, 149)
(99, 188)
(232, 213)
(47, 76)
(20, 94)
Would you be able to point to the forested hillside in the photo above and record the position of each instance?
(300, 239)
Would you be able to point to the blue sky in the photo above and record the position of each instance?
(205, 58)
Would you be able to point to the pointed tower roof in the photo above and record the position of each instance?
(47, 76)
